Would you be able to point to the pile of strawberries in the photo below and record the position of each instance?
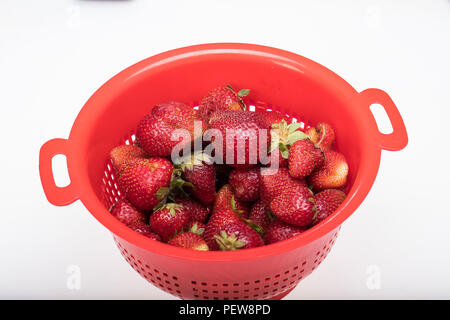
(202, 205)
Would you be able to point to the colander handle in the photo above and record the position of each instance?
(58, 196)
(398, 139)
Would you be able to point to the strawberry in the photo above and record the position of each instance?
(304, 157)
(260, 215)
(243, 134)
(327, 202)
(226, 199)
(121, 154)
(296, 207)
(322, 135)
(143, 180)
(274, 182)
(196, 210)
(196, 227)
(154, 132)
(218, 220)
(332, 174)
(200, 172)
(279, 231)
(245, 183)
(221, 98)
(169, 220)
(126, 213)
(189, 240)
(236, 236)
(145, 230)
(272, 117)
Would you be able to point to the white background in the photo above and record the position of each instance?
(55, 54)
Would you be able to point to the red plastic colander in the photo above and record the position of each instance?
(286, 82)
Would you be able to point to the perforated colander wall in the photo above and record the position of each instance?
(265, 287)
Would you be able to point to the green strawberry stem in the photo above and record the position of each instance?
(284, 135)
(227, 243)
(240, 94)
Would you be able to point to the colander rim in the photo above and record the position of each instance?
(370, 154)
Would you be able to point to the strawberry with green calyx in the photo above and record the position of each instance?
(144, 180)
(284, 135)
(332, 174)
(189, 240)
(126, 213)
(196, 227)
(198, 170)
(121, 154)
(327, 202)
(176, 189)
(226, 214)
(245, 183)
(304, 158)
(296, 207)
(236, 236)
(322, 135)
(278, 231)
(222, 98)
(219, 219)
(169, 220)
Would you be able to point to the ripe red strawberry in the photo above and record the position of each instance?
(304, 157)
(218, 220)
(127, 213)
(225, 199)
(154, 132)
(245, 183)
(189, 240)
(169, 220)
(145, 230)
(273, 117)
(327, 202)
(274, 182)
(199, 171)
(260, 216)
(196, 210)
(279, 231)
(243, 135)
(196, 227)
(122, 154)
(221, 98)
(236, 236)
(322, 136)
(296, 207)
(141, 179)
(332, 174)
